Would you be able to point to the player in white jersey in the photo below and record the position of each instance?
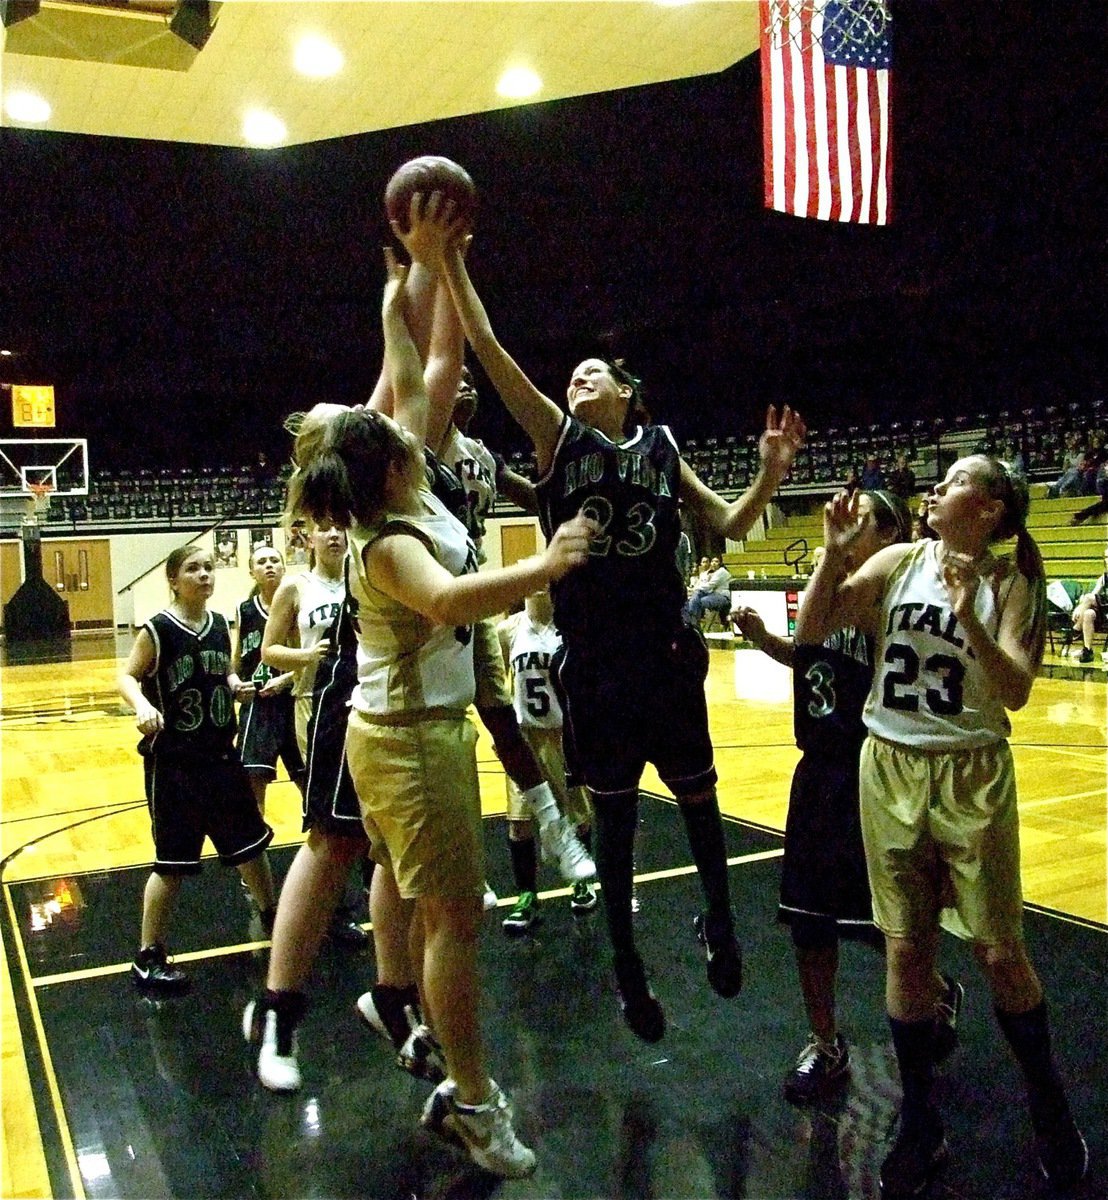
(529, 642)
(959, 640)
(410, 746)
(304, 608)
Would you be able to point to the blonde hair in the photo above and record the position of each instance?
(341, 458)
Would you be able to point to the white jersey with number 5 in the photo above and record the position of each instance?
(530, 651)
(928, 688)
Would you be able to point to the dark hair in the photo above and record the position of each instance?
(176, 560)
(890, 514)
(341, 458)
(1007, 485)
(637, 412)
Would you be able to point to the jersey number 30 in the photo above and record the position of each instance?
(902, 692)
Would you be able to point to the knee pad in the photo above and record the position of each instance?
(810, 932)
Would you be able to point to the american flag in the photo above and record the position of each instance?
(825, 109)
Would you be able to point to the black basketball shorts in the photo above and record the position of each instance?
(267, 731)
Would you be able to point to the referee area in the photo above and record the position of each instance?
(110, 1094)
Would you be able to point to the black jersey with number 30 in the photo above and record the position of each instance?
(189, 686)
(630, 585)
(830, 685)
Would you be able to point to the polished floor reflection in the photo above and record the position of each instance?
(158, 1098)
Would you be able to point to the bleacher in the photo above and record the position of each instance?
(198, 497)
(167, 498)
(1069, 551)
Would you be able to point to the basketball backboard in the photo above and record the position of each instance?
(59, 463)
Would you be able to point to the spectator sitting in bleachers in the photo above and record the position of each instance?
(1013, 456)
(1068, 482)
(1090, 613)
(902, 479)
(1095, 455)
(873, 478)
(1101, 506)
(711, 594)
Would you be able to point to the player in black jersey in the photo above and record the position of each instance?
(633, 672)
(267, 724)
(825, 892)
(179, 681)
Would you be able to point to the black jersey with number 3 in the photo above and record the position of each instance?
(830, 685)
(189, 686)
(630, 585)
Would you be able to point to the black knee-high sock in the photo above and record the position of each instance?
(1028, 1034)
(525, 865)
(915, 1056)
(704, 829)
(617, 817)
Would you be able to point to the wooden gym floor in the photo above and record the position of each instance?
(107, 1094)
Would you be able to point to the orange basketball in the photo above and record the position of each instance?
(427, 174)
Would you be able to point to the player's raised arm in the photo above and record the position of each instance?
(835, 598)
(402, 361)
(781, 439)
(538, 415)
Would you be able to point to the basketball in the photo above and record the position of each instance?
(427, 174)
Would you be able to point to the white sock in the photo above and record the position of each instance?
(540, 801)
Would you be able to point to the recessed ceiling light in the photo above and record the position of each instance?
(27, 107)
(316, 57)
(261, 128)
(517, 83)
(5, 354)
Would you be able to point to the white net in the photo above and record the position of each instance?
(854, 22)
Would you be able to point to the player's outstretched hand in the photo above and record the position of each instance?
(749, 623)
(962, 577)
(433, 224)
(841, 523)
(569, 547)
(781, 439)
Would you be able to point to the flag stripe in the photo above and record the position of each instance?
(825, 125)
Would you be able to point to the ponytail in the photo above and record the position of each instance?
(1009, 487)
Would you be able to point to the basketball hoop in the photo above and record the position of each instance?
(40, 500)
(803, 21)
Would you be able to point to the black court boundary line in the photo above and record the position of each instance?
(39, 1072)
(49, 1128)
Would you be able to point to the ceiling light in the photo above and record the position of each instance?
(26, 107)
(5, 354)
(517, 83)
(317, 58)
(261, 128)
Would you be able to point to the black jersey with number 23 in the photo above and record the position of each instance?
(631, 584)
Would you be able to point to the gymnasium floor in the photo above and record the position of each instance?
(127, 1097)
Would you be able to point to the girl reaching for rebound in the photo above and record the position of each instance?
(959, 641)
(410, 746)
(632, 671)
